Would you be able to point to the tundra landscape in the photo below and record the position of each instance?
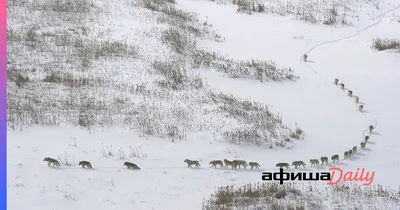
(163, 104)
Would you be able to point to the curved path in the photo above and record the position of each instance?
(373, 121)
(357, 33)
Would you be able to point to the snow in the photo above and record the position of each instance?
(330, 118)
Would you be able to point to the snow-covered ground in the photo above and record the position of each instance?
(329, 118)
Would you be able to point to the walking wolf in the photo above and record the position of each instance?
(254, 165)
(299, 163)
(346, 154)
(324, 160)
(281, 165)
(192, 162)
(362, 145)
(335, 81)
(228, 163)
(335, 158)
(351, 153)
(305, 57)
(239, 163)
(85, 164)
(52, 161)
(371, 128)
(131, 165)
(314, 162)
(350, 93)
(360, 108)
(354, 150)
(214, 163)
(366, 138)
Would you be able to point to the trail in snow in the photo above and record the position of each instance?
(180, 168)
(164, 182)
(357, 33)
(236, 39)
(350, 36)
(373, 120)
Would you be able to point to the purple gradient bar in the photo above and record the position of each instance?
(3, 104)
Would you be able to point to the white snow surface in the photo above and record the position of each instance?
(330, 119)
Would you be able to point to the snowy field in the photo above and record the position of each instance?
(108, 112)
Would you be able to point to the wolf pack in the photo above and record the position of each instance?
(335, 158)
(235, 164)
(347, 154)
(85, 164)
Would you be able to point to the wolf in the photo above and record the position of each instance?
(335, 158)
(335, 81)
(254, 165)
(299, 163)
(214, 163)
(192, 162)
(314, 162)
(366, 138)
(131, 165)
(305, 57)
(52, 161)
(85, 164)
(350, 93)
(324, 160)
(360, 107)
(362, 145)
(351, 153)
(239, 163)
(281, 165)
(346, 154)
(371, 128)
(228, 163)
(354, 150)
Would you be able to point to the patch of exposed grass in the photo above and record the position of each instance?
(295, 196)
(386, 44)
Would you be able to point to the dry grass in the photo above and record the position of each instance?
(326, 12)
(273, 196)
(60, 72)
(386, 44)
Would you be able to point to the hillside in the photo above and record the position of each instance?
(156, 82)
